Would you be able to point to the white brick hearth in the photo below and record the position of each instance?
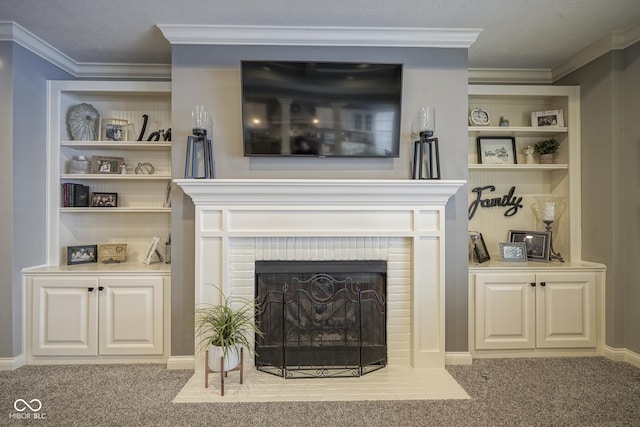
(241, 221)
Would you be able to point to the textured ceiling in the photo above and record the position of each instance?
(516, 33)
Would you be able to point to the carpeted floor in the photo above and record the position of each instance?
(504, 392)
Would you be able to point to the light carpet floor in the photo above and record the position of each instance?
(390, 383)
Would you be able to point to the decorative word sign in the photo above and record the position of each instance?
(508, 200)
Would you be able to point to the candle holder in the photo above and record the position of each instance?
(199, 147)
(549, 209)
(426, 155)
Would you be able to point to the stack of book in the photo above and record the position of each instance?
(75, 195)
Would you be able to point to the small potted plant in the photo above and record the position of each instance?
(224, 328)
(547, 148)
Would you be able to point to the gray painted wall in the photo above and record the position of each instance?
(610, 89)
(210, 76)
(23, 145)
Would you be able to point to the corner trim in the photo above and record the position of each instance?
(457, 358)
(622, 355)
(14, 32)
(318, 36)
(11, 363)
(181, 362)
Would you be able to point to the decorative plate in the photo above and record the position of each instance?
(479, 117)
(83, 122)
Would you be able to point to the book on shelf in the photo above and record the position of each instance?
(75, 195)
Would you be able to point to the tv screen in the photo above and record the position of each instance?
(324, 109)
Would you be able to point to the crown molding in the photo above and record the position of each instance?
(509, 75)
(616, 40)
(13, 32)
(318, 36)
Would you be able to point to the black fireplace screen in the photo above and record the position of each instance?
(321, 318)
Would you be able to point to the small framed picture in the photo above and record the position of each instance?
(547, 118)
(104, 200)
(82, 254)
(538, 243)
(112, 253)
(513, 252)
(152, 254)
(481, 250)
(101, 164)
(497, 150)
(113, 129)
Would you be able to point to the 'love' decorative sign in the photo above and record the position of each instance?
(507, 201)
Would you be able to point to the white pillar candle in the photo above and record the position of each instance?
(549, 212)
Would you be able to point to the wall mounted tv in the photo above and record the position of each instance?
(323, 109)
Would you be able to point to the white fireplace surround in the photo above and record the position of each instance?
(239, 221)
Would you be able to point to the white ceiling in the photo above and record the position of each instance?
(523, 34)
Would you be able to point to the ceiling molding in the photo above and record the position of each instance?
(318, 36)
(13, 32)
(509, 75)
(616, 40)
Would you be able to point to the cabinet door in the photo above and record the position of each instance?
(64, 315)
(505, 311)
(566, 310)
(131, 315)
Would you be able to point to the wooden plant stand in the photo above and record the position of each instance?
(223, 373)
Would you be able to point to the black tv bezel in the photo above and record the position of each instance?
(315, 156)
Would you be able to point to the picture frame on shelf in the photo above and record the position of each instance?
(112, 129)
(82, 254)
(548, 118)
(109, 253)
(497, 150)
(482, 254)
(513, 252)
(104, 200)
(152, 255)
(538, 243)
(106, 165)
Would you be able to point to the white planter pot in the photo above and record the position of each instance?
(231, 361)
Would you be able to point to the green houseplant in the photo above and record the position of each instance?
(547, 148)
(225, 327)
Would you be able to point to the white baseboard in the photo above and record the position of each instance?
(622, 355)
(458, 358)
(11, 363)
(181, 362)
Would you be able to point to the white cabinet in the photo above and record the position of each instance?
(90, 316)
(529, 310)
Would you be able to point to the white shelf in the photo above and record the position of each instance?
(115, 210)
(520, 168)
(476, 131)
(118, 145)
(115, 176)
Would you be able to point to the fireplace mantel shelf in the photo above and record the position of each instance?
(319, 191)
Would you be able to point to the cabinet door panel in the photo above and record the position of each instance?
(566, 308)
(131, 316)
(505, 311)
(64, 316)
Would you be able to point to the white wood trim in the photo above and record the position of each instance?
(181, 362)
(622, 355)
(509, 75)
(11, 363)
(318, 36)
(458, 358)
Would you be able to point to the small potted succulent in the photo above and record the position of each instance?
(546, 148)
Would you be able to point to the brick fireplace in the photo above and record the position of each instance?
(239, 222)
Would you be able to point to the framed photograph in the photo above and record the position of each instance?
(152, 254)
(497, 150)
(513, 252)
(547, 118)
(104, 200)
(538, 243)
(100, 164)
(82, 254)
(481, 250)
(112, 253)
(113, 129)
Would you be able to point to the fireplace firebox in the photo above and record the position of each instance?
(321, 318)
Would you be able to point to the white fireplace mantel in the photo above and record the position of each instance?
(302, 219)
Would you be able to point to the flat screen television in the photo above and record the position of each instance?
(323, 109)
